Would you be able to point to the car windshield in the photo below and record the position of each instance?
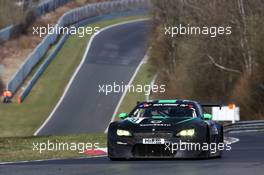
(168, 111)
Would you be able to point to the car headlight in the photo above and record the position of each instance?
(186, 133)
(121, 132)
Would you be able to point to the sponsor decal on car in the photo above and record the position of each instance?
(156, 121)
(153, 141)
(135, 120)
(156, 124)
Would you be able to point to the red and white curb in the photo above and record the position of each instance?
(96, 152)
(91, 153)
(43, 160)
(102, 152)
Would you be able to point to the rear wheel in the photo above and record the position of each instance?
(114, 159)
(221, 141)
(111, 150)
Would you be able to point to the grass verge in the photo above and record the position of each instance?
(23, 120)
(22, 148)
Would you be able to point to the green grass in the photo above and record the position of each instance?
(22, 148)
(144, 77)
(24, 119)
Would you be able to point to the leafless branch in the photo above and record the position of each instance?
(223, 67)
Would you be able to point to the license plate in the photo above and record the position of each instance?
(153, 141)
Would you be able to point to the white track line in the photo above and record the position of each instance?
(79, 67)
(231, 140)
(44, 160)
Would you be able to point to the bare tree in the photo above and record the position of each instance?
(224, 68)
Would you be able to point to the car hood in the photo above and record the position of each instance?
(148, 124)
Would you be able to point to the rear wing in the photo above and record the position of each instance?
(211, 105)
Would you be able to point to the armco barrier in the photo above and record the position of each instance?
(67, 19)
(41, 9)
(49, 5)
(245, 126)
(41, 69)
(5, 33)
(58, 46)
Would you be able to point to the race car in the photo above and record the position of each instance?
(165, 129)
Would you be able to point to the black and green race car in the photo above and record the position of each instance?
(165, 129)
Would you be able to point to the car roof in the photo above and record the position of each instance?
(197, 106)
(176, 101)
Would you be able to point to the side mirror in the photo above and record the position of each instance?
(207, 116)
(123, 115)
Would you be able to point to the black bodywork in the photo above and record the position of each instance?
(165, 128)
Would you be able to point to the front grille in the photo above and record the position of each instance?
(165, 135)
(140, 150)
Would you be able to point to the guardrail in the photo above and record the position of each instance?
(44, 65)
(41, 9)
(41, 69)
(67, 19)
(48, 5)
(246, 126)
(5, 33)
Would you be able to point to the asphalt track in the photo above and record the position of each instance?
(245, 158)
(114, 56)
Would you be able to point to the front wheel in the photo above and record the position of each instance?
(113, 159)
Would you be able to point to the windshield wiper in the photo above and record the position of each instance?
(163, 114)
